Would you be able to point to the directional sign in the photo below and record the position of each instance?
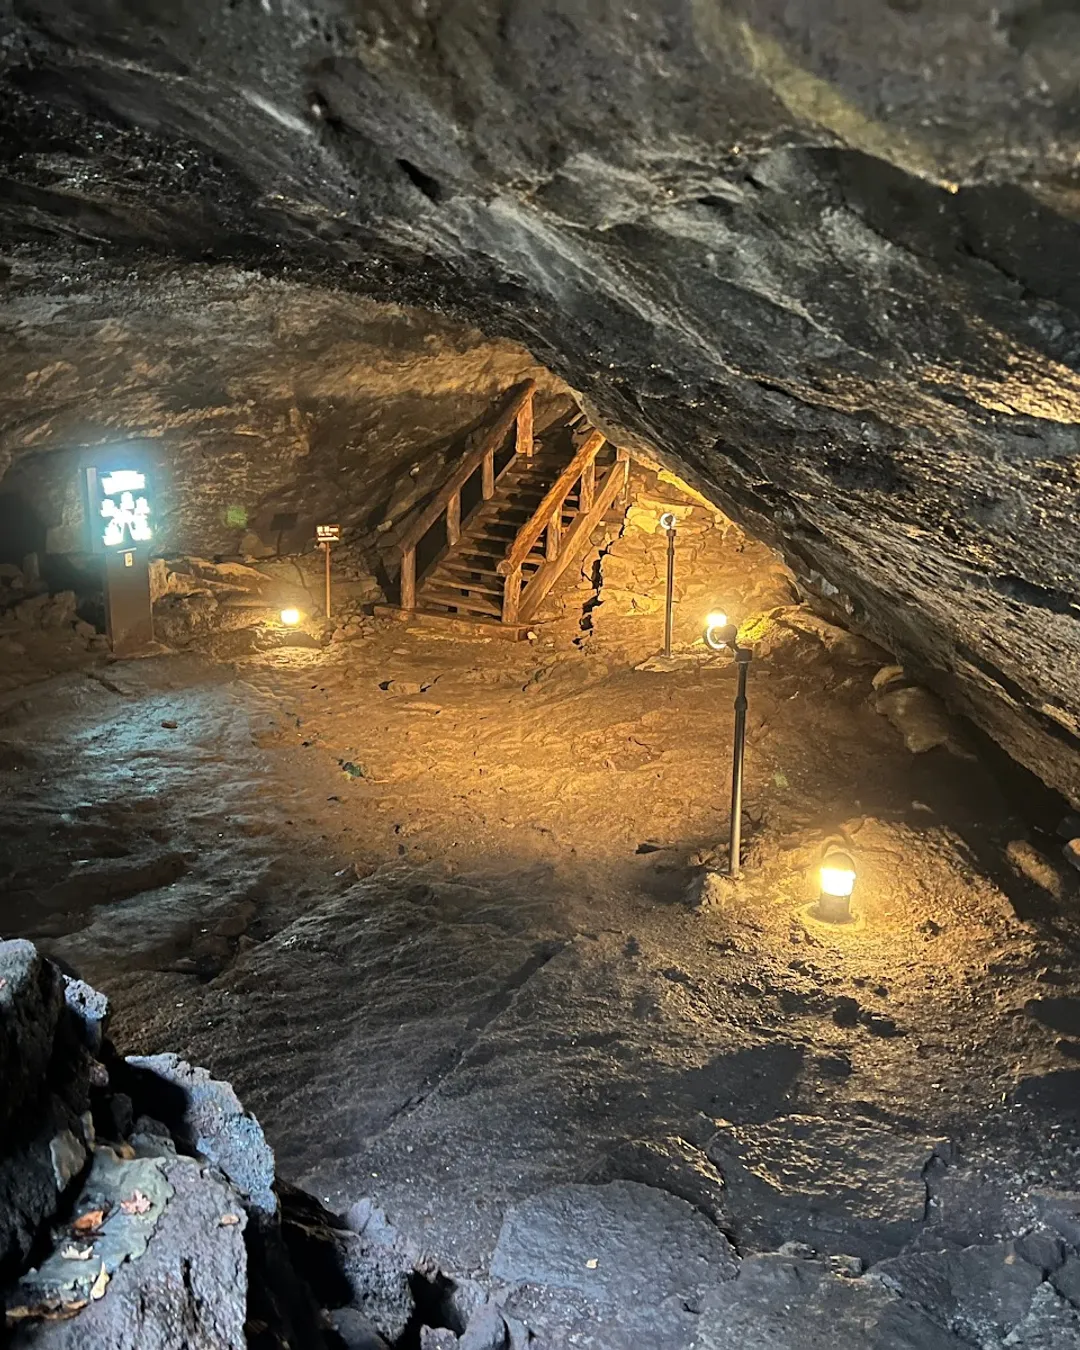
(328, 534)
(121, 509)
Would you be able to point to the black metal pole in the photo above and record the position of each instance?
(742, 657)
(669, 610)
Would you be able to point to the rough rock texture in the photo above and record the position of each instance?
(619, 591)
(186, 1287)
(857, 1189)
(821, 254)
(258, 407)
(44, 1126)
(611, 1267)
(138, 1207)
(215, 1125)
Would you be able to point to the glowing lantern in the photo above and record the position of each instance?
(290, 617)
(837, 884)
(718, 632)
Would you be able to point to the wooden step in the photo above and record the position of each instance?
(525, 511)
(487, 567)
(465, 626)
(440, 577)
(429, 598)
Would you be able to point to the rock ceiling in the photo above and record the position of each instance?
(823, 256)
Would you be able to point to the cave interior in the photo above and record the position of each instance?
(376, 968)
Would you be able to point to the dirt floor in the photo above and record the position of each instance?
(430, 905)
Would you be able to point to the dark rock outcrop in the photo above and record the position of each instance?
(821, 255)
(138, 1202)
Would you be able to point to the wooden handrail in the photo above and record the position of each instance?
(466, 467)
(551, 506)
(527, 602)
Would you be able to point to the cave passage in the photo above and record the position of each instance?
(451, 913)
(374, 970)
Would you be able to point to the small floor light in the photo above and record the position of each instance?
(290, 617)
(837, 884)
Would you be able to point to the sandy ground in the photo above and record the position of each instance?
(424, 902)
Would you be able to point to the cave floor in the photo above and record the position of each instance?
(424, 902)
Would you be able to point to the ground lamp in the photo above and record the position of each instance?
(121, 517)
(290, 617)
(837, 884)
(667, 522)
(718, 635)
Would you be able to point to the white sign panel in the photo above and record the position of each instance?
(125, 509)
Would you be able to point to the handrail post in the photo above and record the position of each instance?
(588, 487)
(623, 457)
(524, 441)
(554, 534)
(453, 519)
(512, 596)
(408, 578)
(487, 483)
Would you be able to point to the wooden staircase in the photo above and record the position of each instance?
(529, 508)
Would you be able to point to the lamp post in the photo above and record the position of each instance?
(719, 634)
(667, 521)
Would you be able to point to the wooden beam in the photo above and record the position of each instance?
(525, 426)
(554, 537)
(487, 488)
(512, 596)
(588, 486)
(408, 579)
(453, 519)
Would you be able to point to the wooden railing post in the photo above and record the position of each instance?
(408, 579)
(453, 519)
(623, 457)
(511, 596)
(588, 486)
(487, 476)
(524, 444)
(554, 535)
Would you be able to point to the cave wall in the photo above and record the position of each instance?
(249, 402)
(820, 257)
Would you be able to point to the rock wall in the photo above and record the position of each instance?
(820, 256)
(257, 409)
(617, 595)
(717, 566)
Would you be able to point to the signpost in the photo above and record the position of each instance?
(121, 528)
(327, 535)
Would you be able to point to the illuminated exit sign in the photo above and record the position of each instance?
(121, 509)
